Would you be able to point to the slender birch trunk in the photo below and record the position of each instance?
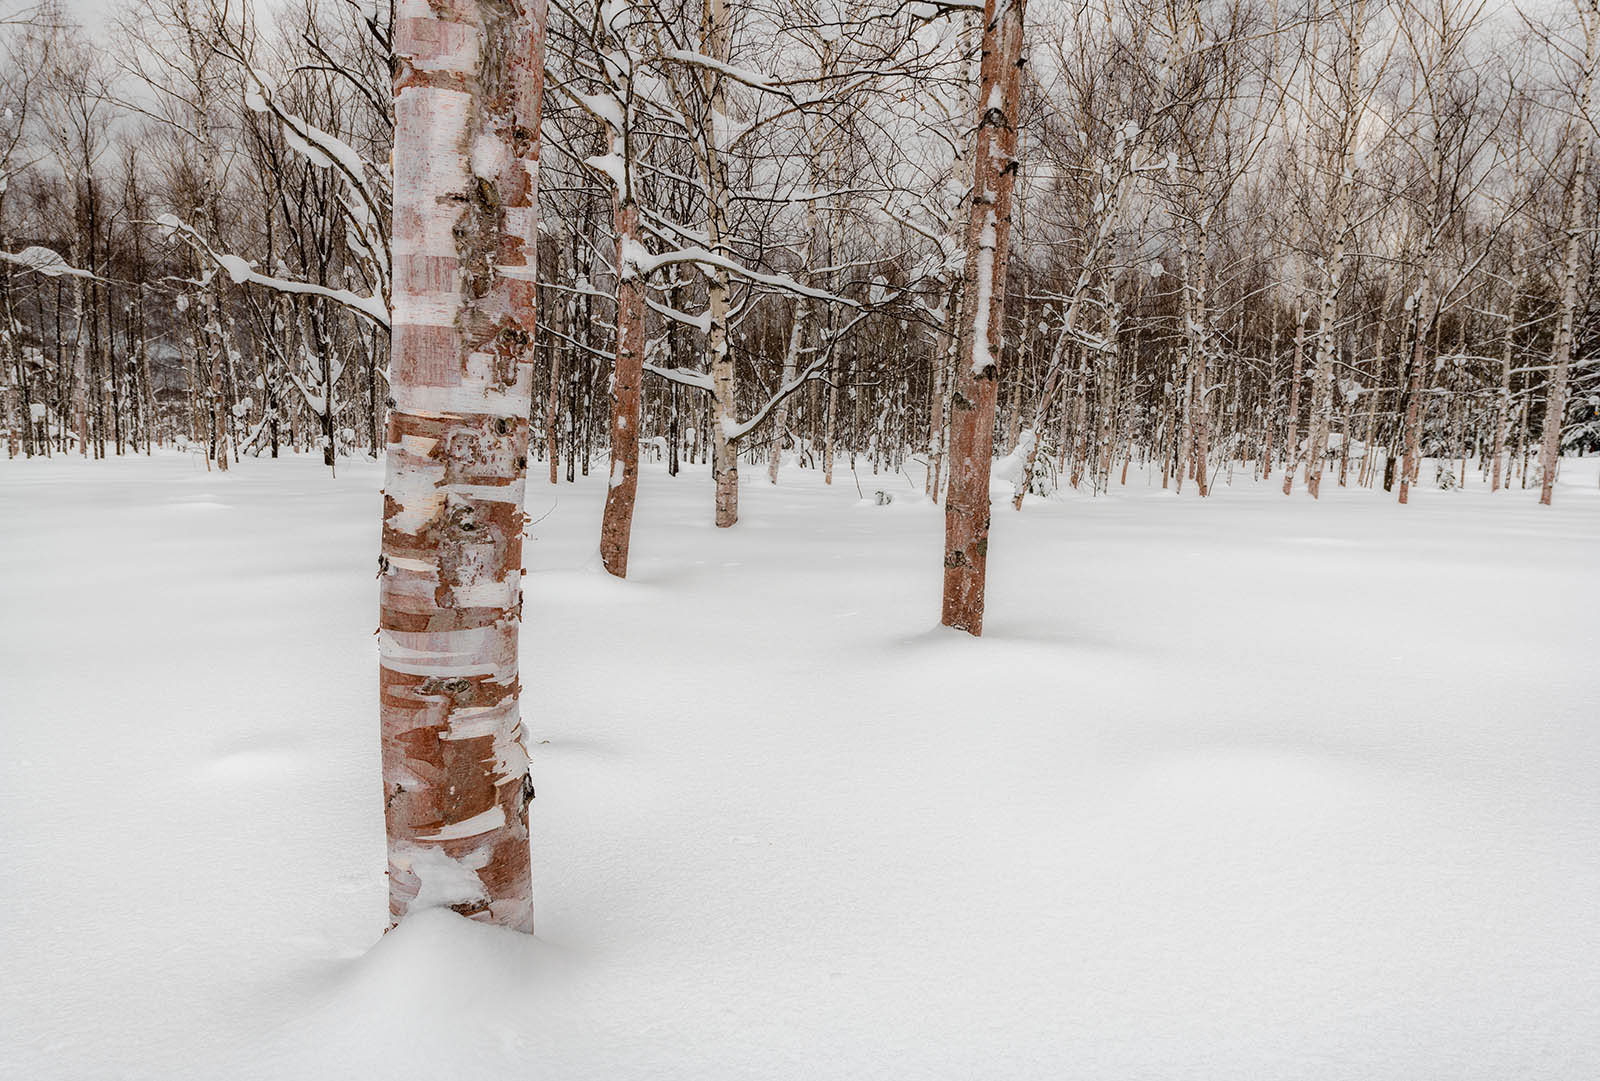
(1502, 407)
(80, 365)
(1272, 396)
(801, 330)
(1193, 357)
(780, 415)
(717, 33)
(977, 370)
(1369, 429)
(1291, 438)
(831, 415)
(1344, 442)
(1322, 378)
(617, 522)
(1412, 424)
(552, 401)
(939, 403)
(468, 78)
(1577, 201)
(1054, 376)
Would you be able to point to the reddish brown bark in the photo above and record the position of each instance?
(966, 546)
(468, 81)
(617, 523)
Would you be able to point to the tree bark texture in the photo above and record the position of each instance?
(966, 546)
(617, 522)
(468, 81)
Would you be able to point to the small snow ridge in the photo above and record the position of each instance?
(248, 765)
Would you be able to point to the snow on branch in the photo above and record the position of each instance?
(239, 269)
(45, 261)
(687, 377)
(811, 371)
(648, 262)
(753, 79)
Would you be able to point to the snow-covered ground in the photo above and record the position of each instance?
(1248, 788)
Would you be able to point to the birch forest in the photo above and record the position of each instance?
(1322, 241)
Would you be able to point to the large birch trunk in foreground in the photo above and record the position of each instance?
(966, 537)
(468, 79)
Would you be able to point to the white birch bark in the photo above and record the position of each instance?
(468, 81)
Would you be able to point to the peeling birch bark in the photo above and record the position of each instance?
(468, 81)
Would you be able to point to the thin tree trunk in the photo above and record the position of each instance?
(977, 370)
(1577, 201)
(552, 406)
(1291, 439)
(1502, 408)
(617, 522)
(1412, 423)
(939, 397)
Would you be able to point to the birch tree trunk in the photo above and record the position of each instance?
(80, 365)
(468, 78)
(1419, 343)
(1577, 200)
(717, 33)
(1272, 396)
(1502, 405)
(801, 330)
(617, 522)
(938, 404)
(1291, 438)
(1322, 376)
(966, 543)
(552, 402)
(1193, 356)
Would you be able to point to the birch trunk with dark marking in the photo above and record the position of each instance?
(552, 402)
(1321, 420)
(780, 416)
(468, 77)
(80, 364)
(716, 31)
(966, 545)
(1272, 396)
(800, 331)
(1193, 357)
(939, 398)
(1555, 406)
(1412, 423)
(830, 418)
(1502, 405)
(1291, 438)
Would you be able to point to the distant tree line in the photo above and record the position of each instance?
(1323, 240)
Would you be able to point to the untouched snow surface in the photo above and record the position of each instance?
(1251, 787)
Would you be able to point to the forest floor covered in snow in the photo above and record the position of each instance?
(1249, 787)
